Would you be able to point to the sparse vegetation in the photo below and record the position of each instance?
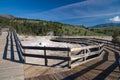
(105, 30)
(40, 27)
(116, 36)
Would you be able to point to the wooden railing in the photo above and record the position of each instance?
(89, 52)
(107, 43)
(45, 56)
(87, 41)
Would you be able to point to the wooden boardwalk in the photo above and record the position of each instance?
(11, 67)
(105, 68)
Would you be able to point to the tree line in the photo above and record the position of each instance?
(40, 27)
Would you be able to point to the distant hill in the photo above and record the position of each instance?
(107, 29)
(106, 25)
(41, 27)
(7, 16)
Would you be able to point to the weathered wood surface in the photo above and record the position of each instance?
(89, 71)
(69, 58)
(105, 68)
(10, 64)
(87, 47)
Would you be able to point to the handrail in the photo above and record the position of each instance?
(46, 48)
(42, 48)
(23, 48)
(69, 50)
(89, 39)
(87, 47)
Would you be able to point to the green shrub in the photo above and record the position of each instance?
(116, 36)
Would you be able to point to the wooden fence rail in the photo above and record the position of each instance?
(87, 55)
(23, 48)
(81, 40)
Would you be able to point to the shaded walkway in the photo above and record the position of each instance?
(11, 67)
(105, 68)
(11, 51)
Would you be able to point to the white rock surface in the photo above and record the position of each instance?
(45, 41)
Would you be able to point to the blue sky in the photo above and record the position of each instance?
(76, 12)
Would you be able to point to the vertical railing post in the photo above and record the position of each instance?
(107, 43)
(99, 49)
(84, 58)
(69, 61)
(46, 61)
(24, 56)
(115, 46)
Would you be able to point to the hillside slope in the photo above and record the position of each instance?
(40, 27)
(7, 16)
(106, 25)
(106, 30)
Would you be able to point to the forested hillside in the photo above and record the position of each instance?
(106, 30)
(40, 27)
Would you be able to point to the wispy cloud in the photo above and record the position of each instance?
(115, 19)
(88, 8)
(85, 9)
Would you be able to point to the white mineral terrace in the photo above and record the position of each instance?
(44, 41)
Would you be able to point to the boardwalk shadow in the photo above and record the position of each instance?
(6, 47)
(12, 53)
(19, 51)
(58, 64)
(110, 69)
(12, 48)
(82, 72)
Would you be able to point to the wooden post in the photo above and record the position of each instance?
(114, 45)
(107, 43)
(84, 58)
(69, 61)
(46, 61)
(24, 56)
(99, 49)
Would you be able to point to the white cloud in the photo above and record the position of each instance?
(115, 19)
(85, 9)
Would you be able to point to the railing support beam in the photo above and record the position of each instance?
(46, 61)
(69, 61)
(24, 56)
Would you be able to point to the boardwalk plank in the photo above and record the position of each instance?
(9, 70)
(102, 68)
